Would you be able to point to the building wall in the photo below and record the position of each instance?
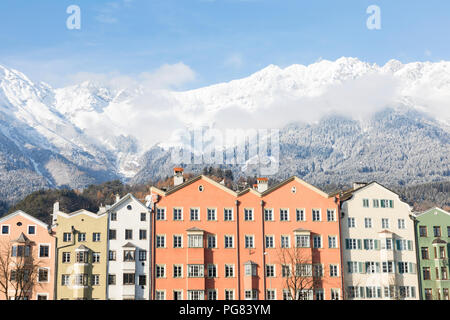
(354, 208)
(41, 237)
(438, 282)
(128, 217)
(214, 197)
(89, 223)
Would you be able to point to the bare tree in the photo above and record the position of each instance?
(297, 270)
(18, 270)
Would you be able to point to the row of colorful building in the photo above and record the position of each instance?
(200, 240)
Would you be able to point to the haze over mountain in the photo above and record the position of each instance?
(340, 121)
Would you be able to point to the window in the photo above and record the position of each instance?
(352, 267)
(300, 213)
(212, 271)
(5, 229)
(160, 271)
(66, 257)
(251, 294)
(160, 295)
(304, 294)
(428, 294)
(284, 215)
(195, 240)
(368, 223)
(407, 292)
(403, 267)
(31, 229)
(128, 234)
(228, 214)
(335, 293)
(437, 231)
(81, 237)
(44, 251)
(142, 280)
(388, 266)
(332, 242)
(143, 216)
(331, 215)
(285, 242)
(95, 257)
(229, 294)
(285, 270)
(448, 231)
(128, 278)
(444, 273)
(42, 296)
(318, 271)
(96, 237)
(229, 270)
(250, 269)
(401, 223)
(270, 242)
(423, 231)
(303, 270)
(142, 255)
(65, 280)
(177, 214)
(111, 279)
(177, 241)
(212, 294)
(268, 214)
(270, 294)
(351, 222)
(372, 267)
(195, 216)
(142, 234)
(403, 244)
(112, 255)
(229, 242)
(67, 237)
(177, 295)
(95, 279)
(81, 279)
(388, 244)
(43, 275)
(286, 295)
(270, 270)
(442, 252)
(317, 241)
(113, 216)
(373, 292)
(248, 214)
(353, 292)
(82, 257)
(249, 242)
(385, 223)
(365, 203)
(316, 216)
(369, 244)
(302, 241)
(177, 271)
(161, 214)
(160, 241)
(426, 273)
(129, 207)
(112, 234)
(212, 241)
(425, 253)
(128, 255)
(376, 203)
(196, 271)
(212, 215)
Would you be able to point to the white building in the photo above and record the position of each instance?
(378, 241)
(129, 225)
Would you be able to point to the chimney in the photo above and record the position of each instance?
(263, 184)
(117, 198)
(55, 212)
(357, 185)
(178, 176)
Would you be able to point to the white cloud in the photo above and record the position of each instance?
(234, 61)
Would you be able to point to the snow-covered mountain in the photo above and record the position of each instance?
(340, 120)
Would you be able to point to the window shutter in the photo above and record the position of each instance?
(366, 244)
(412, 268)
(361, 267)
(349, 266)
(410, 246)
(413, 292)
(14, 251)
(378, 267)
(378, 292)
(359, 244)
(399, 268)
(361, 291)
(377, 244)
(347, 244)
(398, 244)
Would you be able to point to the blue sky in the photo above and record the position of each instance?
(220, 40)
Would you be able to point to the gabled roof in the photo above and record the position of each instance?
(236, 194)
(125, 198)
(129, 245)
(348, 194)
(195, 229)
(385, 231)
(25, 215)
(21, 239)
(81, 211)
(82, 247)
(250, 262)
(418, 214)
(302, 230)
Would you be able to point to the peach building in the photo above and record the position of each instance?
(210, 242)
(28, 248)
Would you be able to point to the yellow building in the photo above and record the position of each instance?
(81, 253)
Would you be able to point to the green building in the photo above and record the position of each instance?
(433, 238)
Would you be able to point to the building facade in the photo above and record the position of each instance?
(81, 254)
(379, 251)
(129, 229)
(27, 258)
(433, 236)
(212, 243)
